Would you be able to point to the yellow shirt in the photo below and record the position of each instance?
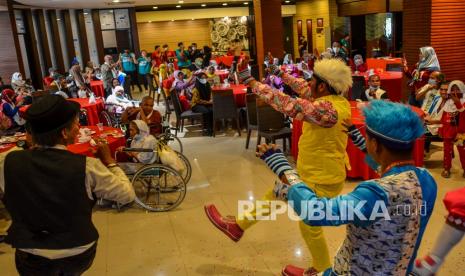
(322, 151)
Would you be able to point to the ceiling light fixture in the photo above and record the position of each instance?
(172, 20)
(203, 5)
(246, 3)
(225, 4)
(178, 6)
(155, 8)
(150, 21)
(287, 2)
(180, 2)
(115, 1)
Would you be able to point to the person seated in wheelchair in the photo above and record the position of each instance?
(145, 113)
(117, 102)
(141, 139)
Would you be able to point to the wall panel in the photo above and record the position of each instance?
(9, 60)
(159, 33)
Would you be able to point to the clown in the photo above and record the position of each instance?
(381, 239)
(323, 109)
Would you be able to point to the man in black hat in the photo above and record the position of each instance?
(49, 192)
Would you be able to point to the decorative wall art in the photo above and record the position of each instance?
(224, 30)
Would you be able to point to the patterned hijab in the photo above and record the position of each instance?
(430, 60)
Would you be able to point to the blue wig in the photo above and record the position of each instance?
(395, 125)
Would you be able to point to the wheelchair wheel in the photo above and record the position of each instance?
(171, 140)
(106, 118)
(158, 188)
(187, 172)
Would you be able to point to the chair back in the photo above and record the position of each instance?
(394, 67)
(224, 106)
(83, 118)
(251, 108)
(358, 87)
(268, 119)
(177, 105)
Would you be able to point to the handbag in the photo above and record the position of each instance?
(170, 158)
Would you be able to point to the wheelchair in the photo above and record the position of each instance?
(110, 116)
(158, 187)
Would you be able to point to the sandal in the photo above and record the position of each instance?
(445, 174)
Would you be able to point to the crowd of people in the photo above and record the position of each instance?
(312, 89)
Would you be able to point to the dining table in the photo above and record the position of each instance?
(93, 110)
(358, 168)
(97, 87)
(114, 137)
(239, 92)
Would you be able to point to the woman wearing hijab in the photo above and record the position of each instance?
(359, 66)
(419, 75)
(81, 87)
(181, 88)
(11, 109)
(212, 78)
(450, 125)
(202, 102)
(17, 82)
(141, 139)
(288, 59)
(118, 101)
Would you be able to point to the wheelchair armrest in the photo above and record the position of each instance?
(138, 150)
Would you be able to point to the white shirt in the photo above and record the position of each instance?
(107, 183)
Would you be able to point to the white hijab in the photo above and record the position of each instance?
(449, 105)
(144, 140)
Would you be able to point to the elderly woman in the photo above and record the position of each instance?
(202, 102)
(117, 101)
(17, 82)
(419, 74)
(359, 66)
(141, 139)
(11, 108)
(182, 89)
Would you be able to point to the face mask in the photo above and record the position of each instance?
(432, 82)
(371, 162)
(358, 62)
(193, 48)
(20, 78)
(203, 81)
(374, 87)
(336, 50)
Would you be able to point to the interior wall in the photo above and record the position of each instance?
(172, 32)
(313, 10)
(8, 58)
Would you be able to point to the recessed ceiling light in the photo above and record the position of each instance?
(115, 1)
(172, 20)
(246, 3)
(150, 21)
(203, 5)
(86, 13)
(287, 2)
(58, 19)
(193, 19)
(225, 4)
(180, 2)
(155, 8)
(178, 6)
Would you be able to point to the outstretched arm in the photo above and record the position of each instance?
(321, 113)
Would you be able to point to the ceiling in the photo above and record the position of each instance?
(93, 4)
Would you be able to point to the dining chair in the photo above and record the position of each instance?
(271, 125)
(224, 107)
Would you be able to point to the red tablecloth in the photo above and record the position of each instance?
(226, 60)
(223, 74)
(239, 92)
(359, 168)
(97, 88)
(391, 82)
(379, 63)
(93, 110)
(113, 143)
(84, 149)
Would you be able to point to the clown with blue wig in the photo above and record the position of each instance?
(384, 233)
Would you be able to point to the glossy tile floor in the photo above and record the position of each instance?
(184, 242)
